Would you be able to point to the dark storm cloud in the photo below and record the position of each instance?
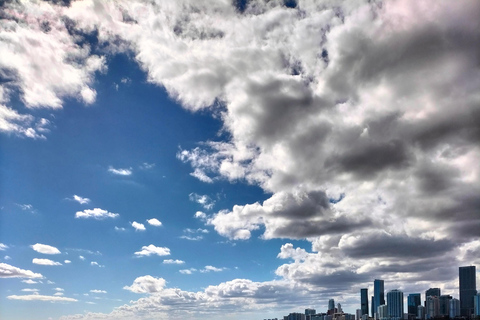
(385, 245)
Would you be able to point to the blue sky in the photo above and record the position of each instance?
(203, 159)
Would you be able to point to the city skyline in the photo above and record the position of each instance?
(235, 159)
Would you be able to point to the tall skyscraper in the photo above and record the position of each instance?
(364, 301)
(468, 289)
(432, 292)
(476, 305)
(432, 307)
(331, 305)
(378, 294)
(413, 301)
(395, 304)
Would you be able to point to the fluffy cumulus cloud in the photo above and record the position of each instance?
(146, 284)
(360, 118)
(45, 249)
(97, 213)
(8, 271)
(153, 250)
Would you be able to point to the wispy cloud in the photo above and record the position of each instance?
(153, 250)
(188, 271)
(171, 261)
(46, 262)
(96, 213)
(147, 166)
(120, 172)
(205, 201)
(98, 291)
(81, 200)
(3, 247)
(37, 297)
(212, 269)
(45, 249)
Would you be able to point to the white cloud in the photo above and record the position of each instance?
(3, 247)
(138, 226)
(46, 262)
(45, 249)
(67, 261)
(58, 294)
(30, 290)
(120, 229)
(171, 261)
(146, 284)
(59, 289)
(81, 200)
(26, 207)
(187, 271)
(96, 264)
(205, 201)
(211, 268)
(8, 271)
(7, 258)
(154, 222)
(37, 297)
(120, 172)
(96, 213)
(29, 281)
(153, 250)
(98, 291)
(81, 258)
(147, 166)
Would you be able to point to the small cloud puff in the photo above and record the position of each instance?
(154, 222)
(45, 249)
(171, 261)
(98, 291)
(138, 226)
(153, 250)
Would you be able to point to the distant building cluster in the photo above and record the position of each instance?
(435, 306)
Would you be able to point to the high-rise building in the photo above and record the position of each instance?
(468, 289)
(476, 305)
(421, 312)
(331, 305)
(372, 306)
(413, 301)
(432, 307)
(395, 304)
(358, 314)
(444, 301)
(309, 313)
(378, 294)
(432, 292)
(382, 312)
(454, 308)
(364, 301)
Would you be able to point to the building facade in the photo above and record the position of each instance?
(413, 301)
(395, 304)
(454, 309)
(468, 289)
(378, 294)
(364, 301)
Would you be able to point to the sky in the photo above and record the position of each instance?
(234, 159)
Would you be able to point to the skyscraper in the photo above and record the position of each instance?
(395, 304)
(432, 307)
(378, 294)
(468, 289)
(364, 301)
(476, 305)
(413, 301)
(331, 305)
(445, 305)
(454, 308)
(432, 292)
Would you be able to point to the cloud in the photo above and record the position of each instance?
(3, 247)
(81, 200)
(38, 297)
(8, 271)
(29, 281)
(97, 213)
(96, 264)
(30, 290)
(211, 269)
(153, 250)
(146, 284)
(45, 249)
(138, 226)
(98, 291)
(188, 271)
(120, 172)
(171, 261)
(67, 261)
(7, 258)
(59, 289)
(46, 262)
(190, 234)
(81, 257)
(205, 201)
(154, 222)
(147, 166)
(26, 207)
(120, 229)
